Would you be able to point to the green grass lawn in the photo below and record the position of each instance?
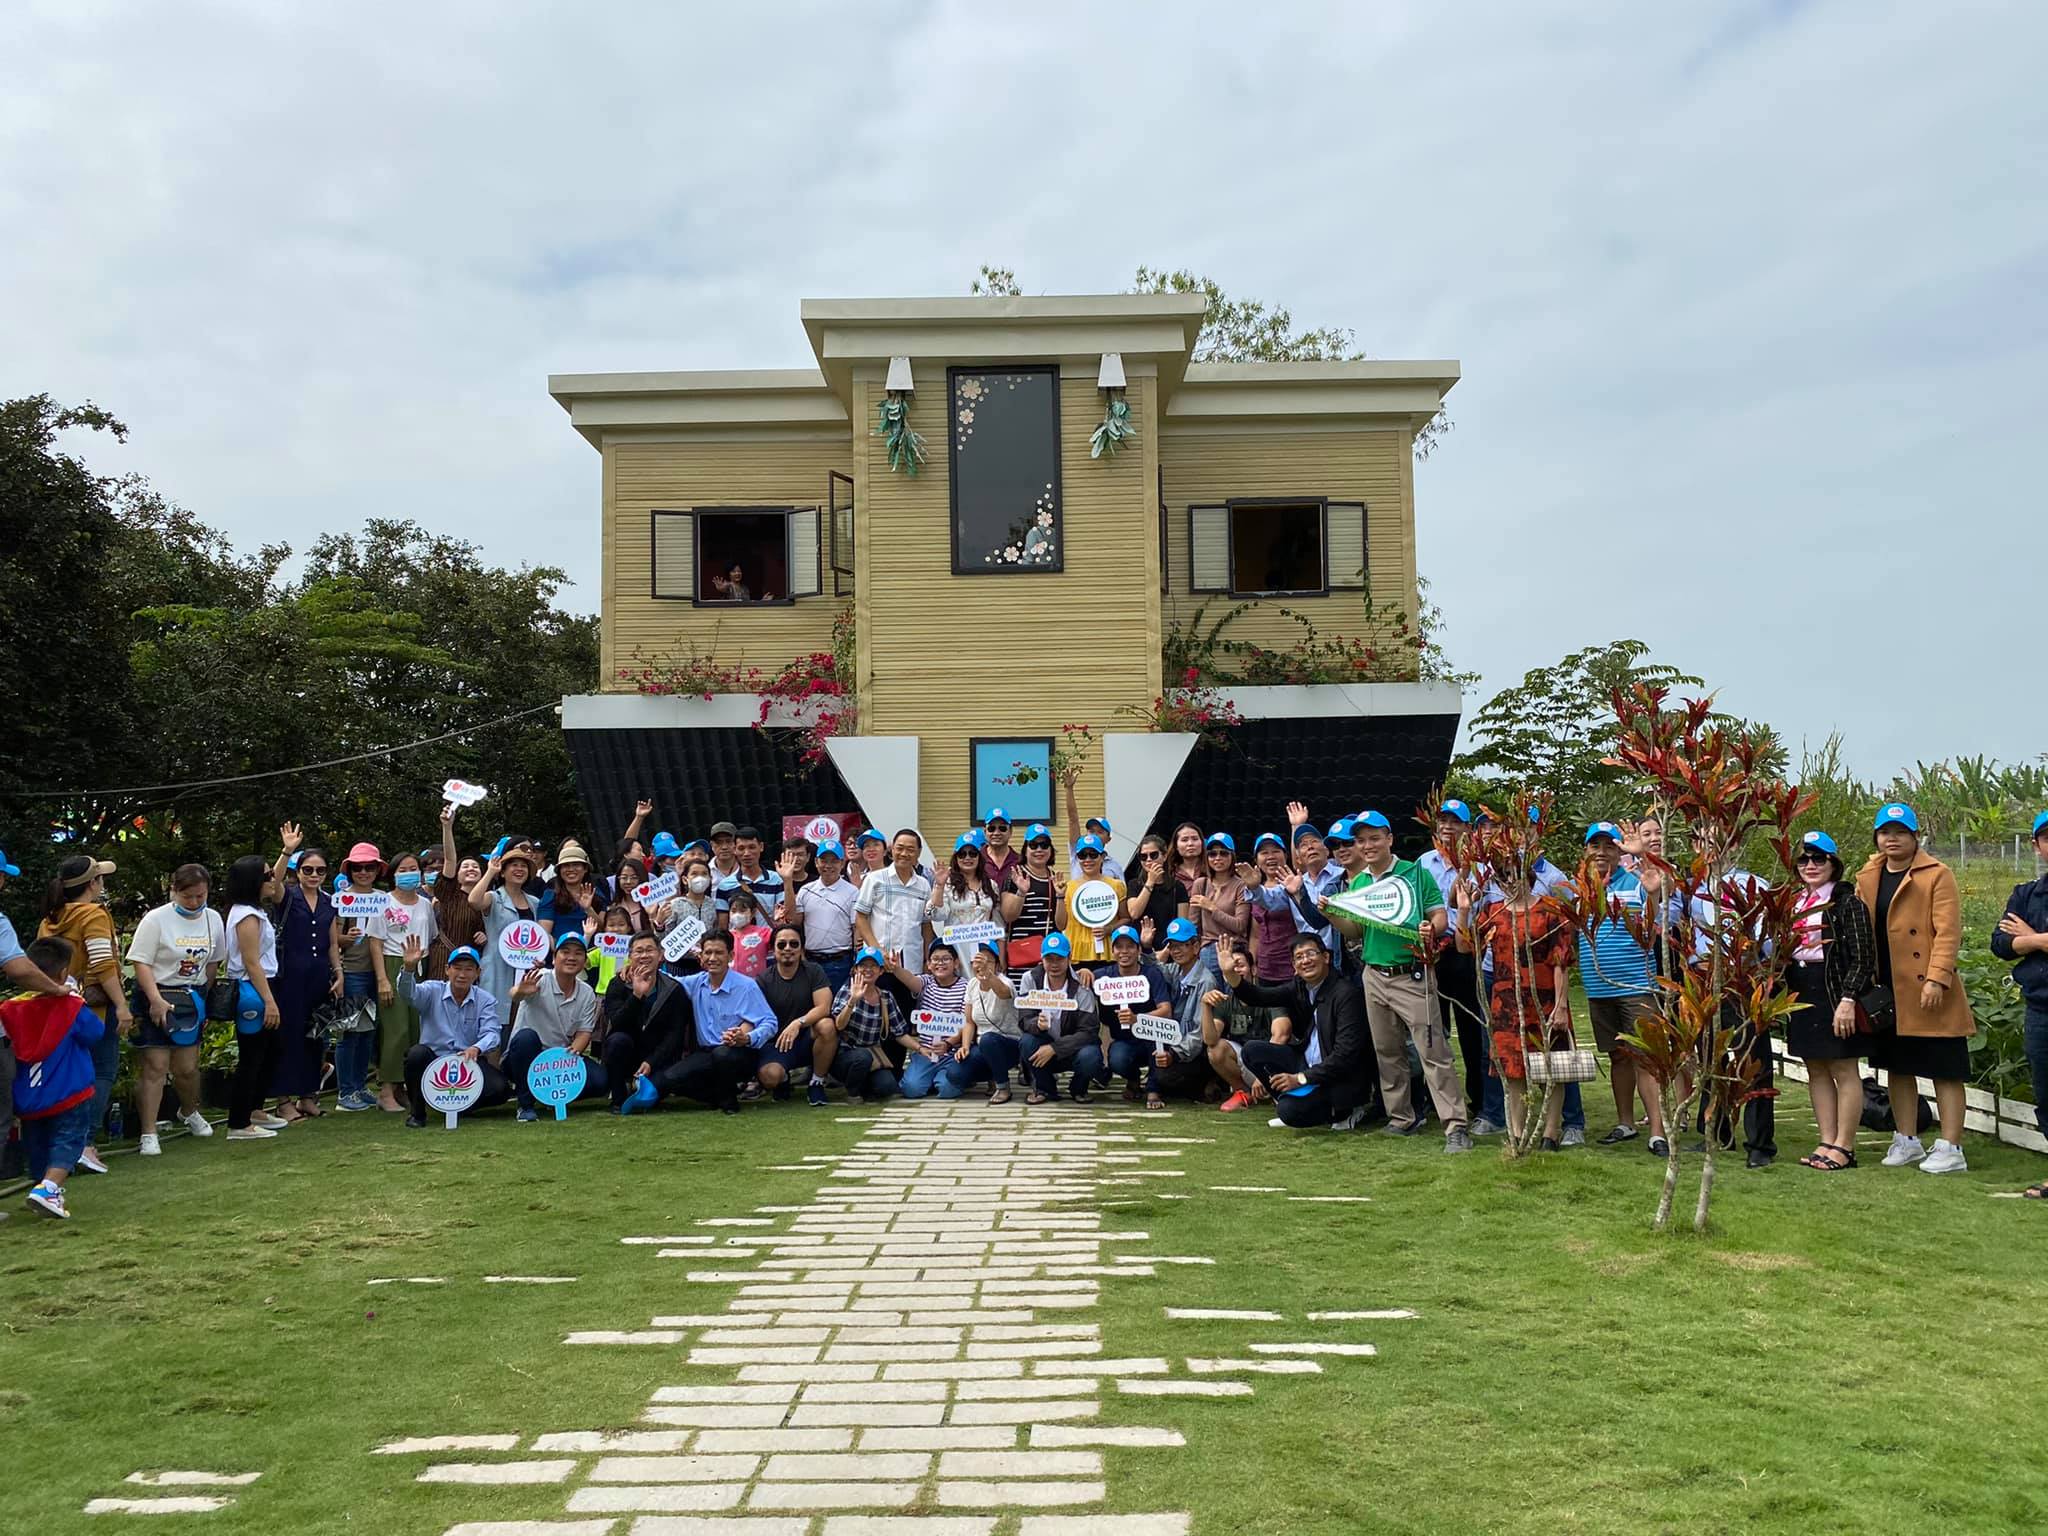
(1851, 1352)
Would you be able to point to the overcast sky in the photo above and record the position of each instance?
(1749, 298)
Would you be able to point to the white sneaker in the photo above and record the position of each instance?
(1946, 1157)
(252, 1133)
(1575, 1137)
(150, 1147)
(1905, 1149)
(1350, 1122)
(89, 1160)
(1277, 1123)
(268, 1121)
(198, 1124)
(1485, 1127)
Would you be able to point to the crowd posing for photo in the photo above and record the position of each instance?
(698, 971)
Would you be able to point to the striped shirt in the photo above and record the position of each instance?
(1614, 964)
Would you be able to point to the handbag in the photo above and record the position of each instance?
(1022, 954)
(1572, 1066)
(222, 997)
(1880, 1010)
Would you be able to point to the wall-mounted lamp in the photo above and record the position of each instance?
(1116, 428)
(899, 377)
(892, 420)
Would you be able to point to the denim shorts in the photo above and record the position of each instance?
(54, 1141)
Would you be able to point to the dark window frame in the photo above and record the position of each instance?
(1165, 559)
(833, 551)
(1236, 589)
(726, 604)
(1059, 506)
(974, 746)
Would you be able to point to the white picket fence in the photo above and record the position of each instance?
(1990, 1114)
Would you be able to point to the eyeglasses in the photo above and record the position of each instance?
(1219, 853)
(1091, 853)
(996, 826)
(312, 869)
(1812, 858)
(788, 944)
(1153, 853)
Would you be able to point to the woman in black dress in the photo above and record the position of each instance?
(1832, 964)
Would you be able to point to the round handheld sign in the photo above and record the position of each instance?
(821, 829)
(452, 1084)
(1384, 904)
(557, 1077)
(523, 944)
(1094, 903)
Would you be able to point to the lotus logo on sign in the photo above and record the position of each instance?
(522, 944)
(451, 1085)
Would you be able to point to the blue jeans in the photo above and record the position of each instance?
(836, 971)
(352, 1050)
(921, 1074)
(106, 1066)
(54, 1141)
(1496, 1108)
(2036, 1039)
(993, 1059)
(1127, 1059)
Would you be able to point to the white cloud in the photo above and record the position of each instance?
(1748, 302)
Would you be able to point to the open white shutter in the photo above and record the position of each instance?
(1346, 546)
(675, 555)
(1209, 549)
(804, 575)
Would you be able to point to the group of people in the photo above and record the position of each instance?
(697, 970)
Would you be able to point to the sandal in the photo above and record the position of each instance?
(1828, 1164)
(1035, 1097)
(1001, 1095)
(2035, 1191)
(1813, 1159)
(1130, 1093)
(1155, 1102)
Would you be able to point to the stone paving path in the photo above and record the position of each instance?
(912, 1352)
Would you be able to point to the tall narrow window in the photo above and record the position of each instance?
(1005, 470)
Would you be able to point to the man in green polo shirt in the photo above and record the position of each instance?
(1396, 931)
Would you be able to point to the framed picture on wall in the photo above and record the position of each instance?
(1014, 772)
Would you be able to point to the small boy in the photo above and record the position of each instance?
(53, 1084)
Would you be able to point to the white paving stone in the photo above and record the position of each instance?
(976, 1437)
(1149, 1366)
(610, 1500)
(529, 1279)
(192, 1479)
(1223, 1314)
(764, 1336)
(1265, 1367)
(715, 1415)
(674, 1469)
(663, 1242)
(535, 1528)
(1020, 1464)
(754, 1354)
(1033, 1349)
(832, 1495)
(632, 1336)
(175, 1504)
(1104, 1525)
(909, 1525)
(809, 1372)
(497, 1472)
(847, 1467)
(1010, 1390)
(866, 1413)
(718, 1525)
(771, 1440)
(1022, 1413)
(638, 1440)
(1386, 1314)
(1054, 1435)
(954, 1370)
(1313, 1349)
(735, 1221)
(712, 1320)
(1330, 1199)
(1184, 1388)
(877, 1392)
(446, 1443)
(1248, 1189)
(1016, 1495)
(771, 1393)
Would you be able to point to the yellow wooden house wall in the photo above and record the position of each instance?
(947, 657)
(767, 469)
(1208, 465)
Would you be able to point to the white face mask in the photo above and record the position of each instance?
(699, 884)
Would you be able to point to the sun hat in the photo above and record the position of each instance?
(79, 870)
(364, 853)
(572, 853)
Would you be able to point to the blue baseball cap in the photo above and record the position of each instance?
(464, 952)
(870, 835)
(973, 839)
(996, 813)
(1340, 830)
(1896, 813)
(1306, 829)
(869, 952)
(1056, 944)
(7, 868)
(1603, 829)
(831, 846)
(665, 846)
(1457, 808)
(573, 936)
(1126, 931)
(1821, 841)
(1102, 822)
(1221, 839)
(2040, 821)
(1268, 837)
(1370, 819)
(1035, 831)
(1089, 843)
(696, 844)
(1182, 930)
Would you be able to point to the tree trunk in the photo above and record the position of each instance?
(1671, 1139)
(1699, 1215)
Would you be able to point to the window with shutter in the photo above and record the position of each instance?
(1276, 547)
(839, 514)
(1209, 549)
(1347, 560)
(805, 578)
(674, 555)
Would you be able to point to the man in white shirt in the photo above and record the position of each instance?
(824, 911)
(890, 911)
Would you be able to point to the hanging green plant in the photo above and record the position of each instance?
(1117, 428)
(892, 425)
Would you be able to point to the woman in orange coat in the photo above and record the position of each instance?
(1916, 916)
